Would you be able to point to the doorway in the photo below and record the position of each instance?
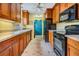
(38, 27)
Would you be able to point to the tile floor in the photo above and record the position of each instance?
(38, 47)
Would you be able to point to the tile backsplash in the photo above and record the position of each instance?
(6, 25)
(61, 26)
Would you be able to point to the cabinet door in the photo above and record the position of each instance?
(51, 38)
(25, 40)
(49, 13)
(5, 10)
(15, 49)
(25, 17)
(62, 7)
(28, 37)
(71, 51)
(56, 14)
(13, 11)
(70, 4)
(18, 12)
(21, 43)
(6, 52)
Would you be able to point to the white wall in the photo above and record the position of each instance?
(61, 26)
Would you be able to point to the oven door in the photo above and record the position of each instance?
(59, 46)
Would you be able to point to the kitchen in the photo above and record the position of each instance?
(56, 24)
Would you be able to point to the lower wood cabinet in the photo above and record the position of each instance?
(21, 44)
(72, 47)
(51, 38)
(28, 37)
(15, 49)
(15, 46)
(71, 51)
(6, 52)
(25, 40)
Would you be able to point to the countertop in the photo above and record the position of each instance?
(52, 30)
(74, 37)
(7, 35)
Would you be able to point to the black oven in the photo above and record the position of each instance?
(60, 44)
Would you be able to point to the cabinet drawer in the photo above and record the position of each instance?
(73, 43)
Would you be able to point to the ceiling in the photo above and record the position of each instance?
(32, 7)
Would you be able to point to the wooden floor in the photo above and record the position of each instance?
(38, 47)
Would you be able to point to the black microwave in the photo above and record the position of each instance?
(69, 14)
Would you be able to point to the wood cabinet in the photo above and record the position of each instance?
(64, 6)
(10, 11)
(71, 51)
(51, 39)
(48, 13)
(13, 11)
(15, 49)
(14, 46)
(16, 12)
(72, 47)
(57, 9)
(5, 10)
(25, 17)
(18, 9)
(5, 48)
(70, 4)
(21, 43)
(6, 52)
(25, 40)
(55, 14)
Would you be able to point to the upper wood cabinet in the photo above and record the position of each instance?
(55, 14)
(10, 11)
(25, 17)
(57, 9)
(18, 16)
(16, 12)
(48, 13)
(13, 11)
(64, 6)
(70, 4)
(5, 10)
